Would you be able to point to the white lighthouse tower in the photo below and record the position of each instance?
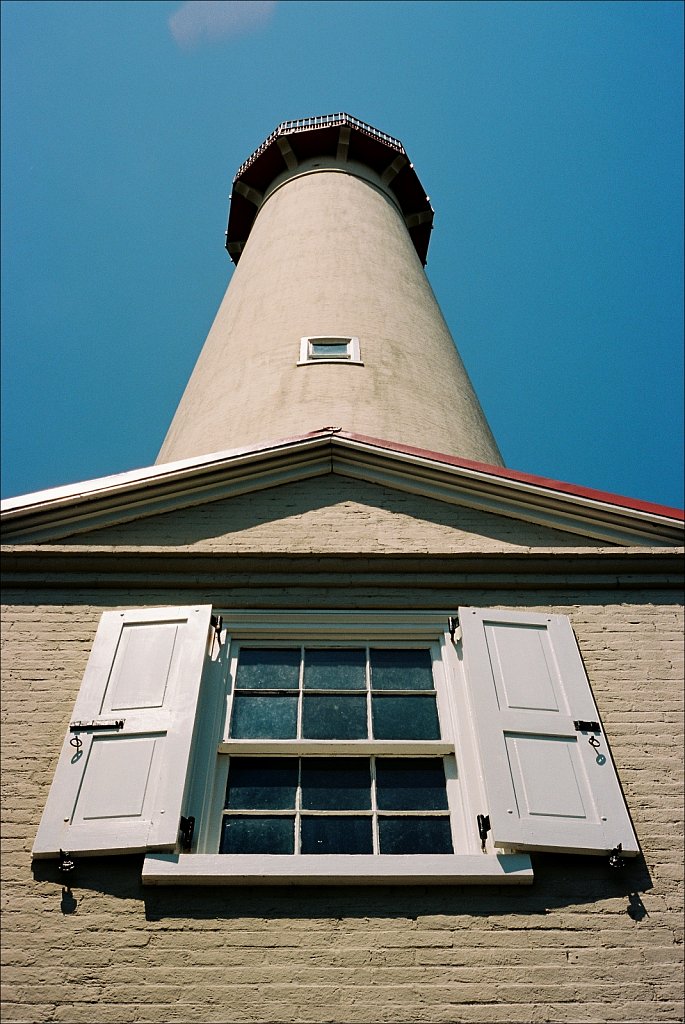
(329, 319)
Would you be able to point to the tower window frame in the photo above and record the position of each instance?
(330, 348)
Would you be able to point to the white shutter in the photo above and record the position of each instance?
(122, 789)
(548, 787)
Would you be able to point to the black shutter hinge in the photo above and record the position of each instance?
(454, 627)
(483, 821)
(217, 622)
(186, 829)
(615, 858)
(96, 726)
(582, 726)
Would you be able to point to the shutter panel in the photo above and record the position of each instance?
(548, 788)
(122, 790)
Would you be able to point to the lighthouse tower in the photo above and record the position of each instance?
(329, 320)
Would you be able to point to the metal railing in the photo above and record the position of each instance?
(304, 124)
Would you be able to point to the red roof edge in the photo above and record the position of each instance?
(511, 474)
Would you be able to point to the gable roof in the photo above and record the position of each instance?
(65, 511)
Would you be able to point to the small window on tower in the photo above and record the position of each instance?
(329, 349)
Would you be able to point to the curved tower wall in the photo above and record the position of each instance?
(329, 254)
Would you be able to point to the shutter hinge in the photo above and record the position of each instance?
(483, 821)
(186, 829)
(455, 628)
(93, 726)
(217, 622)
(582, 726)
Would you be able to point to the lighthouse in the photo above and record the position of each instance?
(329, 319)
(329, 644)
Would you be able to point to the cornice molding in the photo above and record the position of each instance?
(53, 515)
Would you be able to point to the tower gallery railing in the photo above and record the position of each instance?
(304, 124)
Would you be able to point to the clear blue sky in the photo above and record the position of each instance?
(549, 137)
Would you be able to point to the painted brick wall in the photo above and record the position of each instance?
(331, 513)
(582, 944)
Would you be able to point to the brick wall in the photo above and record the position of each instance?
(331, 513)
(582, 944)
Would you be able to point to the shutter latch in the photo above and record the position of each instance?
(483, 821)
(186, 829)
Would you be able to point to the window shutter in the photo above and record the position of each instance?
(120, 789)
(548, 787)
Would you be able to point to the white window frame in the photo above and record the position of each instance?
(307, 356)
(466, 798)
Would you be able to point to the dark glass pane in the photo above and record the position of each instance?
(268, 668)
(336, 835)
(257, 835)
(334, 717)
(336, 783)
(410, 784)
(262, 783)
(405, 718)
(334, 669)
(401, 670)
(415, 835)
(264, 717)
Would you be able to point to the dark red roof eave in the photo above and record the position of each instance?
(511, 474)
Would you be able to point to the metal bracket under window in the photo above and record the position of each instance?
(483, 821)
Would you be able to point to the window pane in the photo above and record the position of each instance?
(334, 717)
(401, 670)
(410, 784)
(264, 717)
(334, 669)
(336, 783)
(336, 835)
(415, 835)
(336, 350)
(268, 668)
(257, 835)
(262, 783)
(405, 718)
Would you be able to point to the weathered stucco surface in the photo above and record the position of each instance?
(329, 254)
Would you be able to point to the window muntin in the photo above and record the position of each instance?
(318, 737)
(342, 693)
(336, 805)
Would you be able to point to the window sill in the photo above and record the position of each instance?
(340, 362)
(423, 869)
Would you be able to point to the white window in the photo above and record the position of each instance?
(335, 747)
(329, 349)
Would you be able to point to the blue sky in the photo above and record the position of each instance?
(549, 137)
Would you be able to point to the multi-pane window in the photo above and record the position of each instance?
(334, 694)
(380, 701)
